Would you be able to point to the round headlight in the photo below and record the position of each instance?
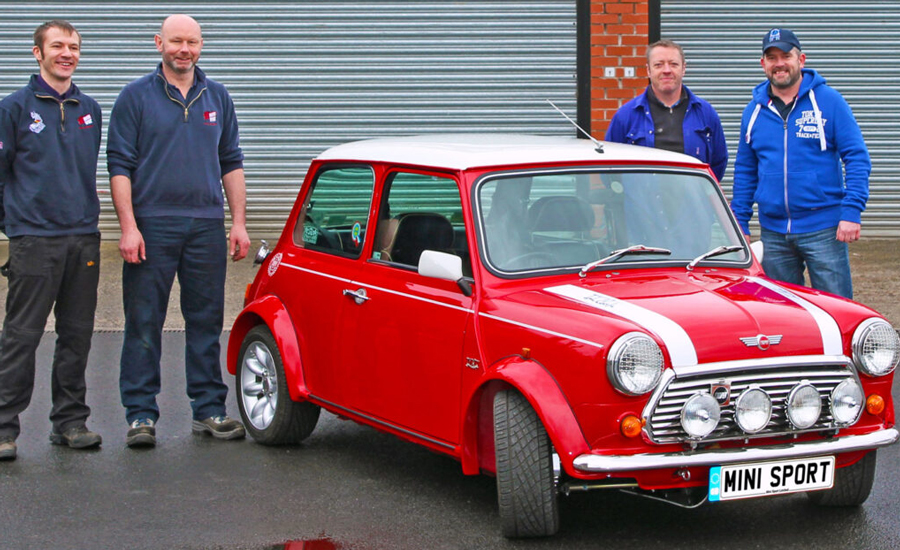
(846, 402)
(634, 364)
(876, 347)
(700, 415)
(752, 410)
(804, 405)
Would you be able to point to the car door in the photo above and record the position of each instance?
(325, 255)
(403, 344)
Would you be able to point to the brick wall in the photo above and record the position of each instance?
(619, 38)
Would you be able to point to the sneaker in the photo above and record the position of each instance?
(141, 433)
(7, 448)
(220, 427)
(77, 438)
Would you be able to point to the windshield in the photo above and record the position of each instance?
(571, 219)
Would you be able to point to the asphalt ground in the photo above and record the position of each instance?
(352, 487)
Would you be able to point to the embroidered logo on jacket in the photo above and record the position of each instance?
(210, 117)
(38, 125)
(807, 128)
(85, 121)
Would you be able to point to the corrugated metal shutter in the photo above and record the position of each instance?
(853, 45)
(308, 75)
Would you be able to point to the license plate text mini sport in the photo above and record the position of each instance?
(760, 479)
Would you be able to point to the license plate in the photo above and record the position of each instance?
(770, 478)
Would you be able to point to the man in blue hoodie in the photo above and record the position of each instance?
(668, 115)
(798, 139)
(173, 145)
(49, 140)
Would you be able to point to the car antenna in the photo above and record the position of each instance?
(599, 145)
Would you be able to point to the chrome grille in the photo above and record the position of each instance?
(664, 409)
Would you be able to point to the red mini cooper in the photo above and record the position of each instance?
(565, 315)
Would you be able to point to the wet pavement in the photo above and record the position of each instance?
(346, 487)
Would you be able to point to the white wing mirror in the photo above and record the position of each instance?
(440, 265)
(757, 248)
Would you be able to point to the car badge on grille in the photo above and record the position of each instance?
(762, 341)
(721, 392)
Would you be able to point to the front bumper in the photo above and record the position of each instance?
(716, 457)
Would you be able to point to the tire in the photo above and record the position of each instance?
(526, 488)
(852, 484)
(269, 414)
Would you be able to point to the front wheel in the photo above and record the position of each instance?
(526, 487)
(267, 410)
(852, 484)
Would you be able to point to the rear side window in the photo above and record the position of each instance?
(334, 216)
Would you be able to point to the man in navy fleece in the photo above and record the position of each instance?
(802, 160)
(173, 145)
(49, 140)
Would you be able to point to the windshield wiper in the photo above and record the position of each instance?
(616, 254)
(718, 251)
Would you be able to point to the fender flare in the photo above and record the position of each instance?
(535, 382)
(270, 311)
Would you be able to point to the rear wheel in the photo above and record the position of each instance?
(267, 410)
(852, 484)
(526, 486)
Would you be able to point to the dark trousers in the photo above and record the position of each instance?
(48, 273)
(195, 250)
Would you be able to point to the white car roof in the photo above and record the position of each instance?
(463, 151)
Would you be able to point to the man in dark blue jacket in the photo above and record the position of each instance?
(798, 139)
(173, 145)
(49, 141)
(669, 116)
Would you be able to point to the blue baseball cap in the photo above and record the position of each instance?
(783, 39)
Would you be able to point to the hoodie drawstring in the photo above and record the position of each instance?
(752, 121)
(818, 114)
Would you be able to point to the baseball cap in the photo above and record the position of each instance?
(783, 39)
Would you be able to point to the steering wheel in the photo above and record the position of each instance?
(331, 241)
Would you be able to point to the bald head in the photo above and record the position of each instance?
(179, 23)
(179, 41)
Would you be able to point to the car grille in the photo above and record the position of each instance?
(664, 416)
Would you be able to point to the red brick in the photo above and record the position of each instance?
(598, 104)
(620, 8)
(621, 29)
(637, 40)
(606, 39)
(635, 18)
(600, 61)
(620, 51)
(604, 18)
(620, 93)
(634, 83)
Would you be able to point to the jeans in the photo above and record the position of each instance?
(58, 274)
(194, 249)
(825, 258)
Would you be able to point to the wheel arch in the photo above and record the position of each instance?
(270, 311)
(542, 391)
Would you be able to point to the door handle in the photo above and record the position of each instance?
(359, 296)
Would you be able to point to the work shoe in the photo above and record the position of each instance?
(141, 433)
(220, 427)
(7, 448)
(77, 438)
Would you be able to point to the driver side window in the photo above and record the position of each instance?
(334, 216)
